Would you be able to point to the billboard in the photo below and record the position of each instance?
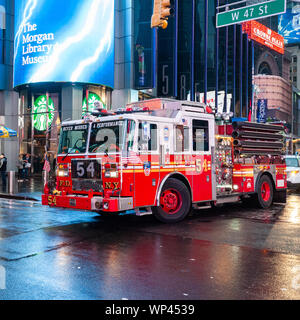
(263, 35)
(289, 25)
(64, 41)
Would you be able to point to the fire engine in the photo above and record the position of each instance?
(165, 157)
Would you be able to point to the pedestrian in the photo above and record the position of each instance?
(20, 166)
(27, 165)
(3, 168)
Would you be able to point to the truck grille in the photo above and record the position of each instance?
(86, 185)
(86, 175)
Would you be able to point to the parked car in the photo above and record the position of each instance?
(293, 171)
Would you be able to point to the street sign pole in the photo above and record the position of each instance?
(256, 11)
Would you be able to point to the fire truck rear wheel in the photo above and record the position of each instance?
(175, 202)
(265, 192)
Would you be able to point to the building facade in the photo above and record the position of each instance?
(105, 51)
(8, 97)
(288, 27)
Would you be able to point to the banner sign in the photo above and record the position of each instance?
(263, 35)
(262, 109)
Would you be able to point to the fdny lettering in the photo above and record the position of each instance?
(112, 185)
(64, 183)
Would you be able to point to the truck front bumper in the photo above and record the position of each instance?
(112, 204)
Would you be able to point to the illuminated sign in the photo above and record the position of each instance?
(94, 101)
(40, 115)
(289, 25)
(263, 35)
(64, 41)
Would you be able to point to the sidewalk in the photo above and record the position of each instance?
(27, 190)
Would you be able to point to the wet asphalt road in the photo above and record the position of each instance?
(231, 252)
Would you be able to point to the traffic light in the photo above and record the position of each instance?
(161, 11)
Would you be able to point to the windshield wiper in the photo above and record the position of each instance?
(70, 149)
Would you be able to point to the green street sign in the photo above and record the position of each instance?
(40, 115)
(256, 11)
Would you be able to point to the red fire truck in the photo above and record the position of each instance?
(165, 157)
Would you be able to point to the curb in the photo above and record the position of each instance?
(15, 197)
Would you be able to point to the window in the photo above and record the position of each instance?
(107, 137)
(182, 139)
(130, 135)
(294, 58)
(200, 135)
(147, 139)
(292, 162)
(73, 139)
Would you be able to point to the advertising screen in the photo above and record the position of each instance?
(64, 41)
(289, 25)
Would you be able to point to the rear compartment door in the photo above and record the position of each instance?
(203, 143)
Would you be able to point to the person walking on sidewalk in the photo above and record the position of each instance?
(3, 168)
(27, 165)
(20, 166)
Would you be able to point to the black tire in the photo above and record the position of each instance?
(175, 202)
(265, 192)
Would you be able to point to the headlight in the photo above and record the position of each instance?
(293, 173)
(62, 170)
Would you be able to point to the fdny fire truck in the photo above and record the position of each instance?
(165, 157)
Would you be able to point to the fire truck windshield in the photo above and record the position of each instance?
(73, 139)
(107, 137)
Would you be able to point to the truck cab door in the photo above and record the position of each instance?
(146, 171)
(203, 143)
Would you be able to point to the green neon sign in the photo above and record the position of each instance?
(40, 115)
(94, 99)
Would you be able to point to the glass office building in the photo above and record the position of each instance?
(193, 60)
(8, 97)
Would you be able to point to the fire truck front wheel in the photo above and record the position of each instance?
(175, 202)
(265, 192)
